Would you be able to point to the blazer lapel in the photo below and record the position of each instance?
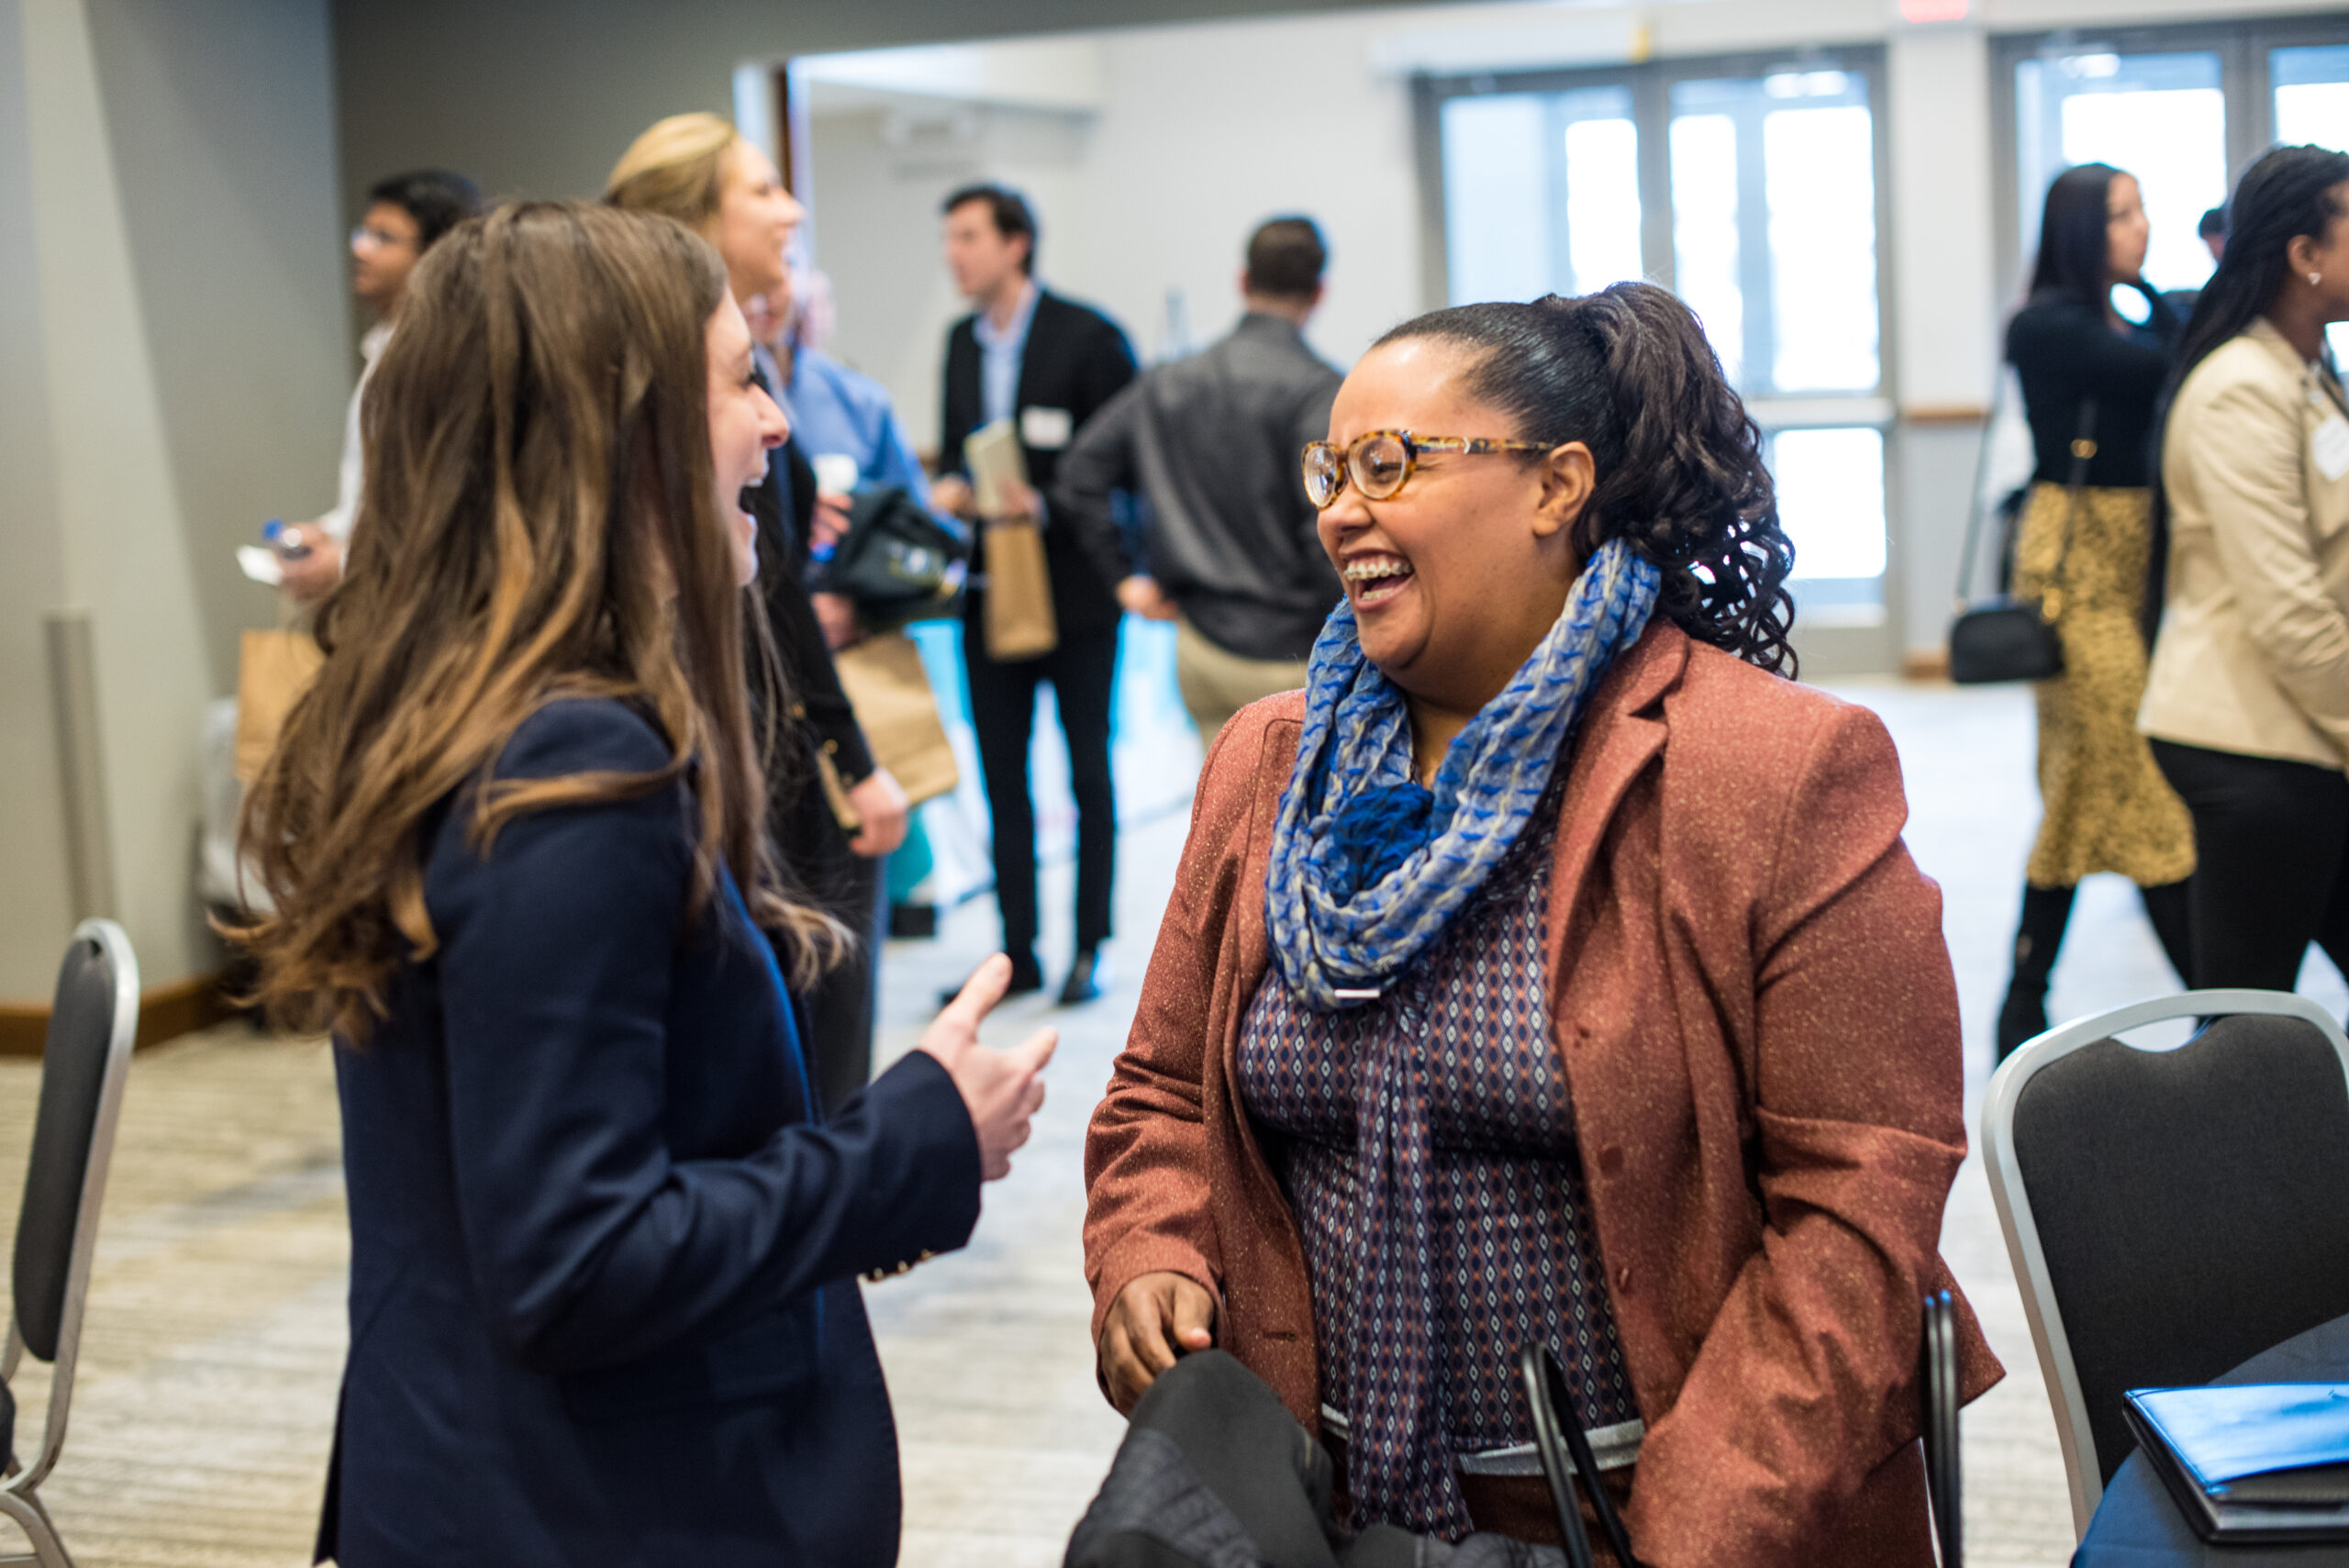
(1618, 739)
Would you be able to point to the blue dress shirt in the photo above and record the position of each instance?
(1000, 353)
(835, 409)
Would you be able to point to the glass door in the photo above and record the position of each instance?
(1774, 242)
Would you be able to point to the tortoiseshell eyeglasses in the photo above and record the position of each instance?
(1381, 463)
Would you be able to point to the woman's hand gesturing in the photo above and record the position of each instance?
(1155, 1320)
(1001, 1089)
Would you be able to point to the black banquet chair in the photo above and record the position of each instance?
(2170, 1213)
(1567, 1457)
(84, 1063)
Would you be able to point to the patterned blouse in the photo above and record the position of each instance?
(1426, 1144)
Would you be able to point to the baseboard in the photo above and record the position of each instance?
(165, 1012)
(1925, 664)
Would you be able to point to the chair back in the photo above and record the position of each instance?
(2170, 1213)
(91, 1026)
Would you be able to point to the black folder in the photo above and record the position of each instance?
(2250, 1462)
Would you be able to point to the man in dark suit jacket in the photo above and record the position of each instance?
(1047, 363)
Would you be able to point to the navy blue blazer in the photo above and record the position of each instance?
(604, 1305)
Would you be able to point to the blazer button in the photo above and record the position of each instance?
(1611, 1160)
(1623, 1279)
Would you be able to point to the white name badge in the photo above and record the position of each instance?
(1046, 429)
(2330, 447)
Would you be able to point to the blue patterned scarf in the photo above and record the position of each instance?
(1367, 865)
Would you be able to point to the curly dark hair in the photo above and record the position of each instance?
(1627, 372)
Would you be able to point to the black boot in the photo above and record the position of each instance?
(2045, 912)
(1084, 977)
(2172, 914)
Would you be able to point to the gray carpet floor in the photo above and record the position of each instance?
(201, 1420)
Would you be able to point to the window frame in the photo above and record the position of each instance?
(1651, 83)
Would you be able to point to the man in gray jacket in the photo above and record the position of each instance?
(1229, 551)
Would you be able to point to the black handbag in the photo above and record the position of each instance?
(899, 561)
(2004, 637)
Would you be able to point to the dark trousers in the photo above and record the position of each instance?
(2271, 873)
(842, 1007)
(1083, 674)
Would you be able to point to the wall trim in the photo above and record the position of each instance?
(1925, 664)
(165, 1012)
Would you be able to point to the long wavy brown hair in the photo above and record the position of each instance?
(539, 520)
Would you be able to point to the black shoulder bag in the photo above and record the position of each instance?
(899, 561)
(2006, 639)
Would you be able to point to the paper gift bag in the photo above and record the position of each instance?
(273, 669)
(1019, 600)
(890, 691)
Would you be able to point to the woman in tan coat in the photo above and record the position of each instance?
(2248, 698)
(1551, 968)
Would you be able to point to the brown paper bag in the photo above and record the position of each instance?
(1018, 602)
(888, 686)
(273, 669)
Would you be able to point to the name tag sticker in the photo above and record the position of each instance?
(2330, 447)
(1048, 430)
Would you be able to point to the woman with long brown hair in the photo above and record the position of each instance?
(603, 1251)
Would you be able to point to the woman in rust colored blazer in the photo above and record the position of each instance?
(1552, 967)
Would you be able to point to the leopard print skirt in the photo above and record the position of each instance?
(2108, 807)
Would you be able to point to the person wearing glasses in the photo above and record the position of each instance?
(405, 215)
(1551, 967)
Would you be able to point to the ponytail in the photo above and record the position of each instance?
(1679, 472)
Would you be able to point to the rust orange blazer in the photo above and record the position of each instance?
(1756, 1008)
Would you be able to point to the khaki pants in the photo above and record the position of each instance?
(1216, 685)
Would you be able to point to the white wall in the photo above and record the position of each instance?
(173, 346)
(1207, 128)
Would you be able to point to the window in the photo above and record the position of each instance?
(1774, 196)
(2186, 109)
(1750, 187)
(2311, 87)
(1542, 192)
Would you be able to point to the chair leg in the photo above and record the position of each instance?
(33, 1520)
